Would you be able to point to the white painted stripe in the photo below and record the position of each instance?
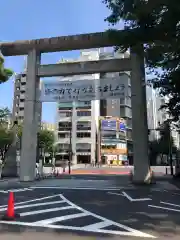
(135, 199)
(33, 200)
(165, 208)
(81, 188)
(20, 190)
(34, 205)
(45, 211)
(100, 217)
(118, 194)
(59, 219)
(2, 191)
(121, 233)
(171, 204)
(97, 225)
(128, 197)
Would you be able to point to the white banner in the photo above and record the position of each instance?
(84, 90)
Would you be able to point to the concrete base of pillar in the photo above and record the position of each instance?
(147, 179)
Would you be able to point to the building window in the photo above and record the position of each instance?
(22, 100)
(129, 122)
(114, 101)
(64, 126)
(83, 135)
(108, 136)
(129, 134)
(65, 114)
(68, 114)
(83, 147)
(83, 113)
(122, 101)
(63, 135)
(83, 126)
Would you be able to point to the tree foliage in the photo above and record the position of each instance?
(156, 23)
(4, 115)
(45, 139)
(165, 144)
(5, 73)
(6, 139)
(6, 135)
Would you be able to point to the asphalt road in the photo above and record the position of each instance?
(98, 208)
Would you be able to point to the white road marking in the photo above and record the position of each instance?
(59, 219)
(2, 191)
(82, 188)
(99, 225)
(135, 199)
(171, 204)
(118, 194)
(165, 208)
(121, 233)
(33, 205)
(33, 200)
(17, 190)
(95, 228)
(45, 211)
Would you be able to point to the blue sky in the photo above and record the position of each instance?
(27, 19)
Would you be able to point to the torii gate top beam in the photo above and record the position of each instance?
(55, 44)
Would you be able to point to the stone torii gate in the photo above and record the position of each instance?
(34, 48)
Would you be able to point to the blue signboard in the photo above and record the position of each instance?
(108, 125)
(122, 126)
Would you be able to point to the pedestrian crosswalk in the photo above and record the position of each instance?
(16, 190)
(91, 184)
(57, 212)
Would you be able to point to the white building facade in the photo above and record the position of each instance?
(77, 122)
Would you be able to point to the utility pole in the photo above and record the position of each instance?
(70, 146)
(170, 152)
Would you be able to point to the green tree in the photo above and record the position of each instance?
(155, 23)
(4, 115)
(5, 73)
(6, 139)
(46, 140)
(164, 146)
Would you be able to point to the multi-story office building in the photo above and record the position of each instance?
(157, 116)
(120, 108)
(85, 117)
(112, 141)
(77, 122)
(19, 99)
